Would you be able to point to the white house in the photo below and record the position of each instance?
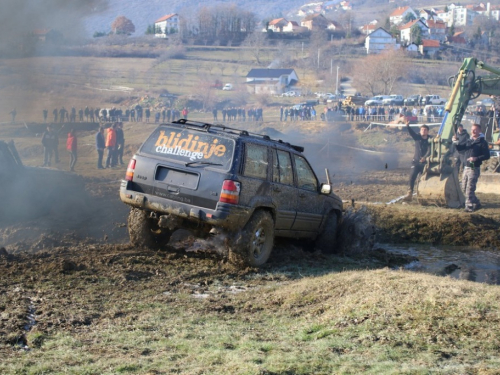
(399, 14)
(379, 41)
(405, 30)
(293, 27)
(460, 16)
(277, 25)
(271, 81)
(168, 24)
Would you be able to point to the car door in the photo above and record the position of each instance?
(310, 207)
(283, 191)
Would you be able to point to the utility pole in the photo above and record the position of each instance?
(337, 85)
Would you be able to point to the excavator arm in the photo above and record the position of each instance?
(439, 183)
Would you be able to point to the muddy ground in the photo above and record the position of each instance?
(56, 223)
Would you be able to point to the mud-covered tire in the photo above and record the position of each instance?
(254, 243)
(327, 239)
(144, 232)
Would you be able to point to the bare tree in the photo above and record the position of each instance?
(255, 42)
(377, 74)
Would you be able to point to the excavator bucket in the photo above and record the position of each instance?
(440, 190)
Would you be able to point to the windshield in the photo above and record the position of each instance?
(190, 147)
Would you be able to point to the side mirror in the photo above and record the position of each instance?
(326, 189)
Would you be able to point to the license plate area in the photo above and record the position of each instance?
(175, 177)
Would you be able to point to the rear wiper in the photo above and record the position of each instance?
(201, 162)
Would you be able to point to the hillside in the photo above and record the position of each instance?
(142, 13)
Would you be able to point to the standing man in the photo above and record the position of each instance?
(71, 146)
(120, 143)
(13, 113)
(100, 145)
(49, 145)
(475, 151)
(111, 146)
(422, 151)
(45, 114)
(185, 113)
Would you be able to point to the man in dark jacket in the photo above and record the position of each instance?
(50, 143)
(475, 151)
(100, 145)
(422, 151)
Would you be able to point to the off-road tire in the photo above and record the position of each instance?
(252, 246)
(144, 232)
(327, 239)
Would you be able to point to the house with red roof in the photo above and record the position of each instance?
(399, 14)
(165, 25)
(277, 25)
(429, 47)
(406, 31)
(437, 29)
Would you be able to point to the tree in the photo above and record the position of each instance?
(256, 42)
(378, 74)
(416, 34)
(408, 18)
(122, 25)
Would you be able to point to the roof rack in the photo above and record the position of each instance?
(206, 127)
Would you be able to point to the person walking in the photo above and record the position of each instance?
(185, 113)
(422, 151)
(71, 146)
(475, 151)
(45, 114)
(110, 145)
(13, 113)
(100, 145)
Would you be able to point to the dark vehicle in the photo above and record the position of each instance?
(414, 100)
(213, 179)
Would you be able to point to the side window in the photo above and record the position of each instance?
(255, 161)
(305, 175)
(282, 168)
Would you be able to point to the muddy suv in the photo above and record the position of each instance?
(213, 179)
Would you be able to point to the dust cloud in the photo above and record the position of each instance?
(19, 18)
(336, 148)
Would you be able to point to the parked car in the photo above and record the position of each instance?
(495, 153)
(212, 179)
(434, 99)
(227, 87)
(290, 94)
(414, 100)
(376, 100)
(393, 100)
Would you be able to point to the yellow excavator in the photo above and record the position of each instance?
(439, 183)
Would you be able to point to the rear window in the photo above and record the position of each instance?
(188, 146)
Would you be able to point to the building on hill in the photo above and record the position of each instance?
(271, 81)
(437, 30)
(317, 21)
(429, 47)
(406, 31)
(460, 16)
(369, 27)
(294, 27)
(457, 38)
(398, 15)
(277, 25)
(165, 25)
(47, 35)
(427, 14)
(380, 41)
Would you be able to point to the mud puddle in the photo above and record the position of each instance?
(460, 262)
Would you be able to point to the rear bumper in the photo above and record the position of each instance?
(226, 216)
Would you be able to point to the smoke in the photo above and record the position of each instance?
(19, 18)
(336, 148)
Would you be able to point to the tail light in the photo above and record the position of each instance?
(129, 175)
(230, 192)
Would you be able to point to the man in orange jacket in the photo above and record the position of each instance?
(111, 146)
